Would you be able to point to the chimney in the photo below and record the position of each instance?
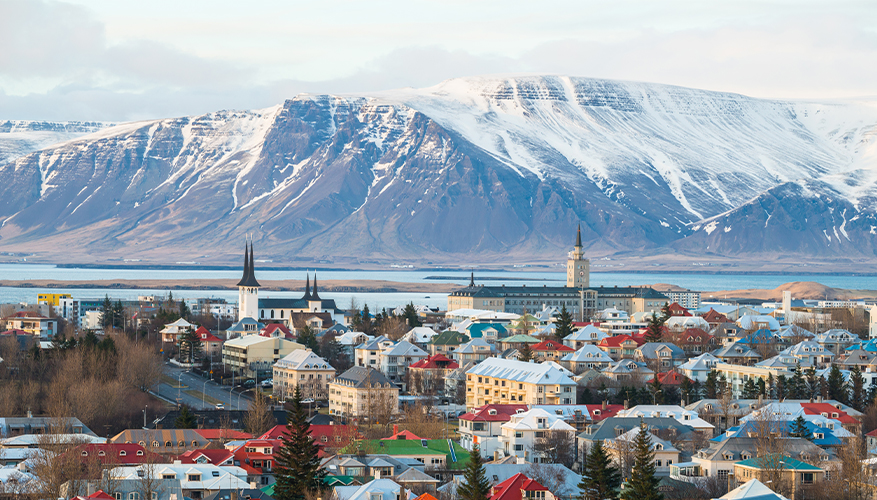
(377, 473)
(818, 399)
(787, 304)
(395, 429)
(626, 404)
(495, 455)
(605, 404)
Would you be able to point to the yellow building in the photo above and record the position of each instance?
(255, 355)
(363, 391)
(52, 299)
(305, 370)
(505, 381)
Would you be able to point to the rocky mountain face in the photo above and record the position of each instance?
(18, 138)
(481, 169)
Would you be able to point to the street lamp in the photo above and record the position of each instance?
(144, 416)
(179, 388)
(239, 397)
(653, 396)
(204, 395)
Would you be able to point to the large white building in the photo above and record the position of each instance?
(523, 430)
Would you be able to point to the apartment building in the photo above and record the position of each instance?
(305, 370)
(520, 435)
(505, 381)
(363, 391)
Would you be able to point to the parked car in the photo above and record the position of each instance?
(268, 383)
(307, 401)
(219, 406)
(249, 383)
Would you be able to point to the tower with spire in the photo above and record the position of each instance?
(315, 303)
(248, 287)
(578, 268)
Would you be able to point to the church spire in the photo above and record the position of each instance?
(472, 280)
(249, 277)
(307, 288)
(315, 295)
(579, 237)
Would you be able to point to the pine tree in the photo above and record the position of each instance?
(653, 330)
(711, 386)
(190, 346)
(186, 419)
(749, 390)
(643, 485)
(686, 388)
(600, 479)
(308, 338)
(297, 466)
(106, 313)
(475, 485)
(857, 389)
(797, 388)
(525, 353)
(656, 390)
(410, 315)
(564, 324)
(781, 392)
(799, 429)
(837, 387)
(812, 383)
(771, 387)
(762, 387)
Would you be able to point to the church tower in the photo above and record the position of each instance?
(248, 288)
(578, 268)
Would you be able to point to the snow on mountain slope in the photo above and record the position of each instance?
(483, 167)
(18, 138)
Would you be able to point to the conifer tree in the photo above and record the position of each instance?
(797, 388)
(190, 346)
(411, 317)
(600, 479)
(799, 429)
(653, 330)
(711, 386)
(525, 353)
(564, 324)
(656, 390)
(643, 485)
(837, 389)
(297, 466)
(857, 389)
(186, 419)
(475, 485)
(812, 383)
(686, 388)
(749, 390)
(762, 387)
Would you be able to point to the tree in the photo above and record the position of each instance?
(812, 381)
(643, 484)
(106, 312)
(118, 315)
(186, 419)
(410, 315)
(796, 388)
(185, 313)
(857, 389)
(711, 385)
(653, 330)
(297, 470)
(259, 418)
(563, 327)
(556, 447)
(837, 389)
(749, 390)
(656, 390)
(525, 353)
(190, 346)
(686, 389)
(799, 429)
(600, 479)
(308, 338)
(475, 485)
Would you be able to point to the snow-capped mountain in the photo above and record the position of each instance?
(18, 138)
(484, 167)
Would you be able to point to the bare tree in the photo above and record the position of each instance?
(556, 447)
(56, 464)
(770, 446)
(259, 418)
(425, 424)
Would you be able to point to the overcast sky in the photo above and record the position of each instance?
(117, 60)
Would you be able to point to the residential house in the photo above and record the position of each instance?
(420, 336)
(196, 480)
(503, 381)
(255, 356)
(491, 332)
(586, 357)
(627, 371)
(427, 376)
(753, 322)
(211, 345)
(719, 457)
(714, 318)
(521, 433)
(447, 342)
(737, 353)
(800, 475)
(550, 350)
(738, 375)
(520, 487)
(620, 448)
(172, 332)
(16, 426)
(660, 355)
(369, 353)
(836, 340)
(516, 342)
(33, 323)
(304, 370)
(483, 425)
(363, 391)
(475, 350)
(611, 428)
(699, 367)
(376, 489)
(724, 413)
(694, 341)
(683, 416)
(619, 347)
(588, 334)
(165, 441)
(394, 360)
(244, 327)
(678, 324)
(564, 487)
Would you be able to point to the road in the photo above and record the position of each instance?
(194, 383)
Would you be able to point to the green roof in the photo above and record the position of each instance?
(476, 330)
(777, 462)
(269, 490)
(522, 338)
(413, 447)
(449, 337)
(335, 480)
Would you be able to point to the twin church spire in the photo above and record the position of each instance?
(249, 277)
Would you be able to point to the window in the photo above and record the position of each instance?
(807, 477)
(133, 496)
(658, 463)
(519, 447)
(118, 496)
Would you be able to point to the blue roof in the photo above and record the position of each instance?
(476, 330)
(760, 336)
(783, 427)
(869, 346)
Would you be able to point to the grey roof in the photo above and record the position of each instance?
(226, 494)
(363, 376)
(239, 326)
(413, 475)
(649, 350)
(731, 351)
(607, 429)
(793, 447)
(736, 406)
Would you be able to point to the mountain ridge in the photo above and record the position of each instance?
(482, 168)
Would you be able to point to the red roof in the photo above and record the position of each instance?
(116, 453)
(27, 314)
(598, 413)
(15, 331)
(551, 345)
(671, 377)
(512, 488)
(425, 496)
(438, 361)
(271, 328)
(820, 408)
(274, 433)
(493, 413)
(215, 457)
(403, 435)
(713, 316)
(615, 340)
(582, 324)
(242, 456)
(872, 433)
(217, 434)
(677, 310)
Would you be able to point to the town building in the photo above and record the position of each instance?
(254, 355)
(504, 381)
(305, 370)
(483, 426)
(363, 392)
(523, 431)
(33, 323)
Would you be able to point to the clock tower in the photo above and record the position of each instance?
(578, 268)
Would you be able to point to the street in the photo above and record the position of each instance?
(191, 391)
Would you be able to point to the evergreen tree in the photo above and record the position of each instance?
(643, 485)
(799, 429)
(656, 390)
(410, 315)
(797, 387)
(475, 485)
(106, 313)
(118, 315)
(711, 387)
(297, 466)
(749, 390)
(653, 330)
(185, 313)
(190, 346)
(837, 387)
(525, 353)
(564, 324)
(367, 325)
(823, 388)
(600, 479)
(696, 392)
(762, 387)
(686, 388)
(781, 392)
(857, 389)
(186, 419)
(665, 313)
(812, 383)
(771, 387)
(308, 338)
(89, 340)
